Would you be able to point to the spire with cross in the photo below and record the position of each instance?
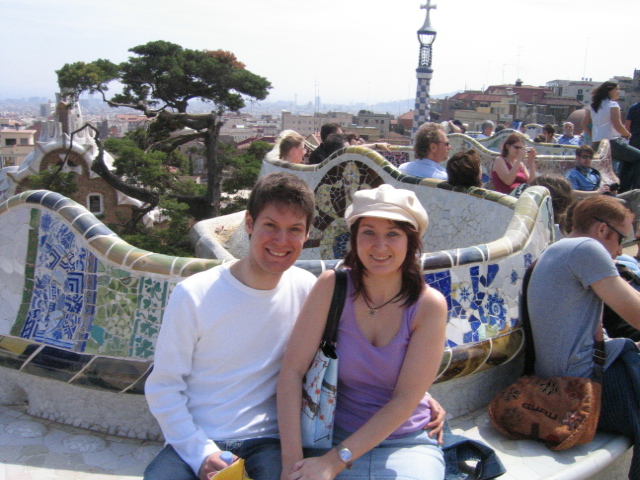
(426, 37)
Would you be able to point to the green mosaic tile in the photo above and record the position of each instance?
(119, 252)
(155, 263)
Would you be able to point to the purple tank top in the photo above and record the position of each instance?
(367, 375)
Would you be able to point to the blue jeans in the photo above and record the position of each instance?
(262, 460)
(415, 456)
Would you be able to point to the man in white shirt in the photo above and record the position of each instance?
(221, 343)
(431, 148)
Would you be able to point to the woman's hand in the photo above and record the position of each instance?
(436, 425)
(325, 467)
(531, 156)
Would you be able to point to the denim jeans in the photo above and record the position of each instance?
(262, 460)
(415, 456)
(620, 411)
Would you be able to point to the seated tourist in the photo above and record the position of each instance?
(511, 169)
(431, 147)
(463, 169)
(571, 281)
(585, 180)
(561, 199)
(487, 129)
(567, 137)
(292, 148)
(390, 342)
(354, 139)
(549, 134)
(319, 154)
(333, 143)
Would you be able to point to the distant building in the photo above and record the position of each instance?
(578, 89)
(309, 124)
(15, 145)
(379, 121)
(506, 103)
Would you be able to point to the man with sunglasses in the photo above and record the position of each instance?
(431, 148)
(585, 180)
(571, 281)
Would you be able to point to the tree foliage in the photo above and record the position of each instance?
(159, 80)
(55, 180)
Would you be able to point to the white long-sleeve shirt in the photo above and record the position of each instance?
(217, 359)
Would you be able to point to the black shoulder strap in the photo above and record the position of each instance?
(335, 310)
(529, 348)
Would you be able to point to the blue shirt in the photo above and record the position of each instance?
(585, 179)
(424, 168)
(570, 140)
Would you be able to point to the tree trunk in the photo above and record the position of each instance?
(214, 177)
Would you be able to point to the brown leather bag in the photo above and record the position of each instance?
(560, 411)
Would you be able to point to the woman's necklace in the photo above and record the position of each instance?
(373, 310)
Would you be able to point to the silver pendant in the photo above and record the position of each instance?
(371, 312)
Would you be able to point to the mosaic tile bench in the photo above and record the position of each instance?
(80, 309)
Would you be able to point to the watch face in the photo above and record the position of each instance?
(345, 454)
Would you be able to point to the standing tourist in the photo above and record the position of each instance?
(604, 115)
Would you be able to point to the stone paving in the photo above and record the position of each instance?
(35, 449)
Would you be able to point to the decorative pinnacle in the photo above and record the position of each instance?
(427, 23)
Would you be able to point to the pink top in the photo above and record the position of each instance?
(500, 186)
(367, 375)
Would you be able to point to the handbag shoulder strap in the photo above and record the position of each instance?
(529, 348)
(335, 310)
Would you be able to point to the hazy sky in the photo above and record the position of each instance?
(352, 51)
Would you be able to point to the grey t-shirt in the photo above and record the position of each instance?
(565, 311)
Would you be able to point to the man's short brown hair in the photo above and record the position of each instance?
(463, 169)
(596, 209)
(427, 134)
(584, 149)
(282, 189)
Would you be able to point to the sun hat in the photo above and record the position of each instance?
(390, 203)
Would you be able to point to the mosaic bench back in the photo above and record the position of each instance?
(81, 306)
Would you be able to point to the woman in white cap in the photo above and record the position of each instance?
(390, 342)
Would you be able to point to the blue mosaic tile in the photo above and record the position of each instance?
(37, 196)
(63, 281)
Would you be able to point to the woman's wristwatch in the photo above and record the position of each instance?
(345, 455)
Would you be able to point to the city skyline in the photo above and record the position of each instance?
(362, 52)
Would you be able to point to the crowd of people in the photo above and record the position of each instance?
(236, 340)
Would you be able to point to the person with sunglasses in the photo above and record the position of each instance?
(586, 180)
(431, 148)
(570, 282)
(515, 166)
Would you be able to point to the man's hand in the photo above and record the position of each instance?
(604, 189)
(436, 424)
(212, 465)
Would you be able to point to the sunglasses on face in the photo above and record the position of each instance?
(586, 157)
(620, 234)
